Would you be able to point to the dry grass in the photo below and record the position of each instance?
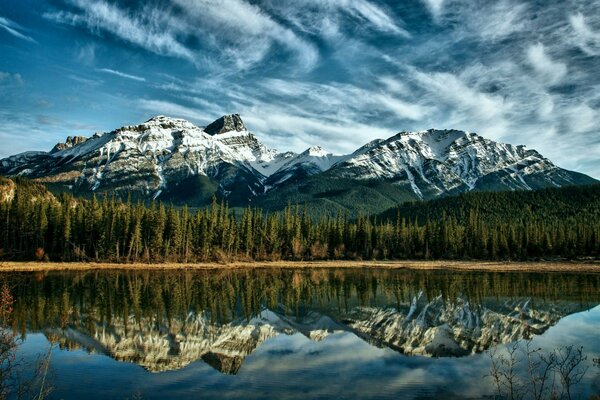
(592, 266)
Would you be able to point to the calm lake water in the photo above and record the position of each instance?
(353, 333)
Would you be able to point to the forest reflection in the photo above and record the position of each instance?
(192, 314)
(50, 299)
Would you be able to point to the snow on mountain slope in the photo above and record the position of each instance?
(164, 156)
(435, 162)
(147, 157)
(311, 161)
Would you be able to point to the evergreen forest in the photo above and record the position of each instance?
(560, 223)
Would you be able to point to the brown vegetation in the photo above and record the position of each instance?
(587, 267)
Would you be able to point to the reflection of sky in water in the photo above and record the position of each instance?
(341, 366)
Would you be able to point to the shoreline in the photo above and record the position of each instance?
(490, 266)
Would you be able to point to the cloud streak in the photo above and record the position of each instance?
(122, 74)
(15, 29)
(147, 30)
(245, 31)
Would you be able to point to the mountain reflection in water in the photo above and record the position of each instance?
(165, 320)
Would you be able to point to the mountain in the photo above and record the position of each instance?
(173, 160)
(437, 162)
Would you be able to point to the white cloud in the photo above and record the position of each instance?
(549, 70)
(328, 19)
(122, 74)
(401, 108)
(345, 99)
(501, 19)
(245, 31)
(14, 29)
(337, 135)
(435, 7)
(460, 97)
(234, 33)
(581, 118)
(149, 30)
(489, 21)
(393, 85)
(373, 14)
(585, 37)
(172, 110)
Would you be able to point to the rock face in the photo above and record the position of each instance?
(176, 161)
(70, 142)
(227, 123)
(434, 328)
(437, 162)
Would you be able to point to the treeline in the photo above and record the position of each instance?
(38, 225)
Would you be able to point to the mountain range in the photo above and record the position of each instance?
(176, 161)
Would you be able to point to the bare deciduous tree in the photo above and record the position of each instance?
(549, 375)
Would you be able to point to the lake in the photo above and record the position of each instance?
(286, 333)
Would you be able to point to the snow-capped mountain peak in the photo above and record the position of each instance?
(435, 162)
(316, 151)
(155, 158)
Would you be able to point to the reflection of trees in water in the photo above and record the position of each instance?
(53, 301)
(8, 343)
(87, 298)
(15, 382)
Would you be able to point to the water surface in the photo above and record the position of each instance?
(352, 333)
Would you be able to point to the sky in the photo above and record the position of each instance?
(334, 73)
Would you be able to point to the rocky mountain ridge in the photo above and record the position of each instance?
(175, 160)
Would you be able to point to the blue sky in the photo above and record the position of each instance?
(337, 73)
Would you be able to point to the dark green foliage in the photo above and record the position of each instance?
(196, 190)
(549, 223)
(326, 194)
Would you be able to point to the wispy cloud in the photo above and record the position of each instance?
(328, 18)
(244, 32)
(587, 39)
(292, 114)
(435, 7)
(490, 21)
(549, 70)
(149, 30)
(85, 81)
(232, 30)
(7, 77)
(122, 74)
(86, 53)
(373, 14)
(15, 29)
(172, 109)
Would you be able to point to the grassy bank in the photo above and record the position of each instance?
(545, 266)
